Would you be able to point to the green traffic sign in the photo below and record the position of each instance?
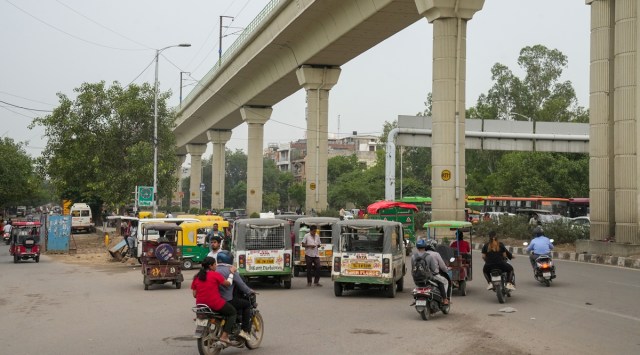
(145, 196)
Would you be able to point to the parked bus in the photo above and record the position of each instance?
(510, 204)
(578, 207)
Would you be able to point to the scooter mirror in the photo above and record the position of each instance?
(452, 259)
(525, 243)
(551, 240)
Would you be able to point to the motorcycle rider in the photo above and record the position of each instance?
(539, 245)
(440, 269)
(495, 254)
(242, 306)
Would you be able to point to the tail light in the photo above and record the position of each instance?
(296, 253)
(336, 264)
(385, 266)
(287, 260)
(242, 261)
(150, 252)
(328, 252)
(178, 251)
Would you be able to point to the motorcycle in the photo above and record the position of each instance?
(499, 282)
(544, 270)
(428, 300)
(6, 237)
(209, 326)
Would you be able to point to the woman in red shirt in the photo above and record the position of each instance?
(461, 244)
(205, 291)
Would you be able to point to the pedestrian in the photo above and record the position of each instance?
(361, 213)
(311, 243)
(169, 215)
(215, 243)
(298, 210)
(342, 214)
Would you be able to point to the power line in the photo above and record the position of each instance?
(25, 108)
(72, 35)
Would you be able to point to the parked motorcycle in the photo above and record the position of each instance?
(544, 270)
(499, 282)
(209, 326)
(428, 300)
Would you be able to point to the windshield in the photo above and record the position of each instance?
(368, 240)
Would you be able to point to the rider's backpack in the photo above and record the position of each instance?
(420, 269)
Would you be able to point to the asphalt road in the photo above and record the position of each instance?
(57, 308)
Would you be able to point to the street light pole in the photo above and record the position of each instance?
(220, 38)
(155, 127)
(532, 120)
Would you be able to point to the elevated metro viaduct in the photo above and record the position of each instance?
(271, 60)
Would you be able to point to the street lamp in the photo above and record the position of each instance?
(155, 128)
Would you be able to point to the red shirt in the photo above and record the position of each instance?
(464, 246)
(207, 291)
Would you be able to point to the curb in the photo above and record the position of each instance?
(619, 261)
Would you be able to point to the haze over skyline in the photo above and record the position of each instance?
(56, 45)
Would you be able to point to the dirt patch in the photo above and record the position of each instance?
(89, 249)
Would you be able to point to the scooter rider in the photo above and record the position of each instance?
(440, 269)
(241, 305)
(539, 245)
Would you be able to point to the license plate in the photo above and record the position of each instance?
(546, 274)
(264, 260)
(361, 265)
(421, 302)
(495, 278)
(201, 322)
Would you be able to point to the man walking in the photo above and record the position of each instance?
(311, 243)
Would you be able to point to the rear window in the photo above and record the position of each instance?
(366, 240)
(259, 238)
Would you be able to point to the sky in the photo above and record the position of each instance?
(53, 46)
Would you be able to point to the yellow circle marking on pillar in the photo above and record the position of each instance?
(312, 186)
(445, 175)
(217, 193)
(253, 192)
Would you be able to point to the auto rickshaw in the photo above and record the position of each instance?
(25, 241)
(300, 229)
(161, 254)
(461, 266)
(367, 254)
(194, 243)
(262, 249)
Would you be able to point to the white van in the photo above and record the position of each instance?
(81, 218)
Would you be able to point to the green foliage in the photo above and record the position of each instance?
(340, 165)
(100, 145)
(18, 180)
(254, 215)
(329, 212)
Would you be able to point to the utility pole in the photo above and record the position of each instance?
(182, 72)
(220, 38)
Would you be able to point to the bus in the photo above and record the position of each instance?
(510, 204)
(423, 203)
(578, 207)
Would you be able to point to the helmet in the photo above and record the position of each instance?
(431, 244)
(421, 243)
(538, 230)
(224, 257)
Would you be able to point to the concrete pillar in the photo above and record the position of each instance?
(625, 121)
(317, 81)
(255, 117)
(196, 151)
(218, 138)
(449, 20)
(176, 199)
(601, 133)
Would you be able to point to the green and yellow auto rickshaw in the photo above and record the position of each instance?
(194, 243)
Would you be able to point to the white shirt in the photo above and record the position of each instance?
(7, 228)
(311, 240)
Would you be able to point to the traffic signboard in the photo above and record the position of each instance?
(202, 186)
(145, 196)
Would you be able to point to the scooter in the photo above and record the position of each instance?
(544, 270)
(209, 326)
(6, 237)
(428, 300)
(499, 282)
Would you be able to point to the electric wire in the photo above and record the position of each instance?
(24, 108)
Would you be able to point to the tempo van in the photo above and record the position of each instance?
(81, 218)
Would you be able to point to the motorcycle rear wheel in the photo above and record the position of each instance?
(257, 331)
(547, 282)
(500, 294)
(424, 314)
(206, 343)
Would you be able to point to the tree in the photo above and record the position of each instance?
(340, 165)
(235, 179)
(100, 145)
(18, 180)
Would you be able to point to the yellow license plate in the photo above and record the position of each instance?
(264, 260)
(361, 265)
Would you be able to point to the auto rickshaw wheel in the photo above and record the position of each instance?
(462, 287)
(187, 264)
(15, 259)
(37, 259)
(178, 285)
(296, 271)
(337, 289)
(391, 290)
(400, 285)
(287, 284)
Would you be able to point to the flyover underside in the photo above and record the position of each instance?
(262, 73)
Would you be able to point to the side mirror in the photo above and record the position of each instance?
(525, 243)
(551, 240)
(452, 260)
